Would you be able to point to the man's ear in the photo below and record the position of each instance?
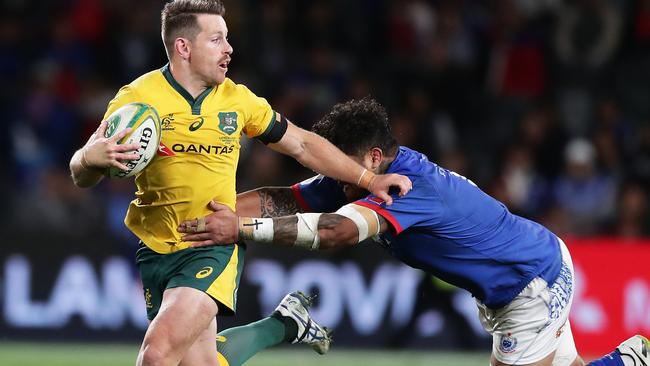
(182, 47)
(377, 157)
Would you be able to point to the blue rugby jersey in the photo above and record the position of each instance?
(448, 227)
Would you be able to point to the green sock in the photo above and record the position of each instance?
(238, 344)
(290, 326)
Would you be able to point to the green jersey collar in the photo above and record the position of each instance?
(195, 104)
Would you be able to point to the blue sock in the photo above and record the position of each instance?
(612, 359)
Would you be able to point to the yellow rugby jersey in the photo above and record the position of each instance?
(198, 155)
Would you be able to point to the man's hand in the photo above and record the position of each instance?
(381, 183)
(218, 228)
(101, 152)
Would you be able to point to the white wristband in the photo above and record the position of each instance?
(256, 229)
(308, 231)
(365, 219)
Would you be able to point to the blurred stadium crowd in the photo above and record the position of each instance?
(543, 103)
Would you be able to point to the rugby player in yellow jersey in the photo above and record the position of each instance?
(203, 115)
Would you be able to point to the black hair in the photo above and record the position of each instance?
(356, 126)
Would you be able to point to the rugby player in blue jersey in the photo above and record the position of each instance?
(520, 273)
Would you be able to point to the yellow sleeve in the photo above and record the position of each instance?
(258, 116)
(124, 96)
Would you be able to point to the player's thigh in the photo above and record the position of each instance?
(204, 349)
(525, 332)
(184, 315)
(530, 328)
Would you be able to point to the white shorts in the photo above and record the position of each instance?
(536, 322)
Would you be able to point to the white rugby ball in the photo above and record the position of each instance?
(145, 131)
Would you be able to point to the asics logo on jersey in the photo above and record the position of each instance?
(203, 149)
(204, 272)
(196, 124)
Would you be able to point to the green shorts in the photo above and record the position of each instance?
(214, 270)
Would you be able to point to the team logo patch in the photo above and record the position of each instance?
(508, 343)
(228, 122)
(204, 272)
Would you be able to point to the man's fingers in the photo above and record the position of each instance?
(101, 130)
(191, 225)
(124, 157)
(200, 225)
(126, 147)
(118, 136)
(196, 237)
(120, 166)
(188, 226)
(215, 206)
(405, 185)
(386, 197)
(204, 243)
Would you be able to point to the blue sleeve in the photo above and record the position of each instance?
(319, 194)
(420, 207)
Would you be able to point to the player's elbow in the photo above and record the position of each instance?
(298, 151)
(78, 182)
(336, 238)
(83, 180)
(298, 144)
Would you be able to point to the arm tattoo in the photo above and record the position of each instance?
(276, 202)
(329, 221)
(285, 230)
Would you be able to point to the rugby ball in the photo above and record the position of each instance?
(145, 131)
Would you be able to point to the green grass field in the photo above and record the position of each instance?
(49, 354)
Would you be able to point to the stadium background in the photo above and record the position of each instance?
(544, 103)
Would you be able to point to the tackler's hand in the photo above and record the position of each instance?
(381, 184)
(217, 228)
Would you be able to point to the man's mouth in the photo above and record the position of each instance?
(224, 65)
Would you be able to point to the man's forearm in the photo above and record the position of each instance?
(324, 158)
(82, 175)
(277, 201)
(309, 231)
(267, 202)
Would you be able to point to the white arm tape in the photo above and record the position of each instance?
(308, 231)
(366, 219)
(262, 230)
